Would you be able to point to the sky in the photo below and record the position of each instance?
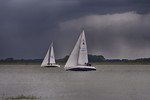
(116, 29)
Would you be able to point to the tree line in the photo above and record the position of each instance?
(91, 58)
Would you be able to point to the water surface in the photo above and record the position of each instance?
(108, 82)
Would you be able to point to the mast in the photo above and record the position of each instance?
(48, 57)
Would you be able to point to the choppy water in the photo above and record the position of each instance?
(108, 82)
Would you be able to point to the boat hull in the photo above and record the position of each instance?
(80, 68)
(51, 65)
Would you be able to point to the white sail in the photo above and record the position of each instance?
(52, 57)
(46, 59)
(83, 56)
(73, 59)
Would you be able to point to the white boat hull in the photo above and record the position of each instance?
(52, 65)
(80, 68)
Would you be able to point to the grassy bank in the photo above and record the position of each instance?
(122, 63)
(23, 97)
(21, 63)
(18, 63)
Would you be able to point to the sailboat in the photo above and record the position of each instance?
(49, 60)
(78, 60)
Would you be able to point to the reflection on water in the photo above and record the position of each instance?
(108, 82)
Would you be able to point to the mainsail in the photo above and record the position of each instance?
(52, 57)
(83, 58)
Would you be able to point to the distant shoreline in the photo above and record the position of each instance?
(93, 59)
(98, 63)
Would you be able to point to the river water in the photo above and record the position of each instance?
(108, 82)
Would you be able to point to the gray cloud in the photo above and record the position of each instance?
(121, 35)
(28, 26)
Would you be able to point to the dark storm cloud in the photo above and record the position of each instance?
(28, 26)
(113, 6)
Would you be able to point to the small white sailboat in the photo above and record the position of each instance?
(49, 60)
(78, 60)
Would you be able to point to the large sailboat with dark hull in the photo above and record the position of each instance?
(78, 60)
